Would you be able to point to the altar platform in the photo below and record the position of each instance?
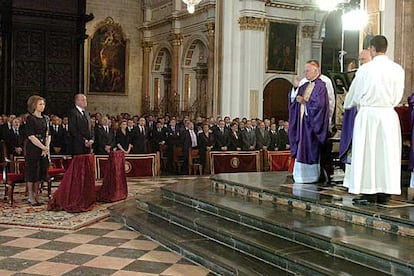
(264, 224)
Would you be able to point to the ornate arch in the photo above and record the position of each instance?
(163, 51)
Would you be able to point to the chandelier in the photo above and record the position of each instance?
(191, 5)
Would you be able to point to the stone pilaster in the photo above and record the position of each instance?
(306, 44)
(176, 41)
(210, 69)
(145, 101)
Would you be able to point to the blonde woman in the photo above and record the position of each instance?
(37, 147)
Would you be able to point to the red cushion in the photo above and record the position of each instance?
(13, 177)
(55, 171)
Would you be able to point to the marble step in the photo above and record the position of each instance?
(330, 201)
(264, 246)
(220, 259)
(386, 252)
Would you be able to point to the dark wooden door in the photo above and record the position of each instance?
(275, 99)
(44, 53)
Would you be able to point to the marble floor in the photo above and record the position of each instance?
(109, 248)
(104, 248)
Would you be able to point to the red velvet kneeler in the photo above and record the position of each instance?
(114, 186)
(76, 193)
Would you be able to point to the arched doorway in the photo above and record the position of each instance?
(275, 99)
(162, 100)
(194, 98)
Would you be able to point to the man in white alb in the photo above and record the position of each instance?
(377, 88)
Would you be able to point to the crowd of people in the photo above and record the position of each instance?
(373, 172)
(146, 134)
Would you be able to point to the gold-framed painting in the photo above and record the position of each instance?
(107, 67)
(372, 28)
(281, 52)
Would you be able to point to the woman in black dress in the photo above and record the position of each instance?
(205, 142)
(37, 147)
(122, 138)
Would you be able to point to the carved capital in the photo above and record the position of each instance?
(252, 23)
(211, 28)
(308, 30)
(147, 46)
(176, 39)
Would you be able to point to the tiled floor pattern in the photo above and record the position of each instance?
(104, 248)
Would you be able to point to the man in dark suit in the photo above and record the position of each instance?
(221, 136)
(14, 138)
(262, 137)
(57, 134)
(79, 127)
(174, 139)
(104, 137)
(273, 137)
(140, 137)
(158, 136)
(67, 139)
(189, 142)
(248, 137)
(283, 143)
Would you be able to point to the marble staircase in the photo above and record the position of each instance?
(263, 224)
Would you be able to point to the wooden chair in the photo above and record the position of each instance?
(164, 157)
(56, 171)
(178, 158)
(194, 165)
(9, 179)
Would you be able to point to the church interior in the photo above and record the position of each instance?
(200, 62)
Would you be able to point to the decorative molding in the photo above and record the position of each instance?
(147, 45)
(177, 39)
(211, 27)
(308, 31)
(151, 25)
(47, 14)
(252, 23)
(281, 5)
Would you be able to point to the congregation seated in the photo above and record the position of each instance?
(168, 135)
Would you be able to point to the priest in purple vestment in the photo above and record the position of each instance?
(410, 190)
(308, 125)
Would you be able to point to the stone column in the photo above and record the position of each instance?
(176, 42)
(145, 101)
(248, 91)
(201, 89)
(404, 36)
(306, 45)
(210, 69)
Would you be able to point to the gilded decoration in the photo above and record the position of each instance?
(308, 31)
(252, 23)
(176, 39)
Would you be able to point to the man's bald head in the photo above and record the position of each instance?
(364, 57)
(80, 100)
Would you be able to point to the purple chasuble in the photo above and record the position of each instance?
(347, 131)
(306, 135)
(411, 110)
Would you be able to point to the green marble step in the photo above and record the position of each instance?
(220, 259)
(264, 246)
(386, 252)
(336, 202)
(331, 201)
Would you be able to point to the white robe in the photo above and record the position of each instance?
(377, 88)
